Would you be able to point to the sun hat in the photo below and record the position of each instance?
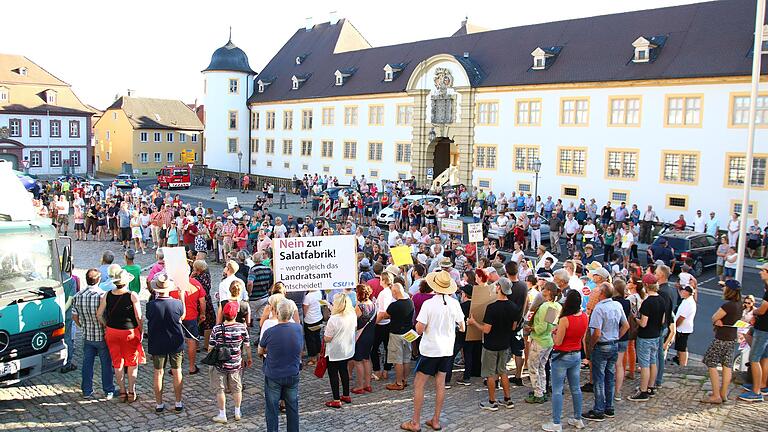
(122, 278)
(441, 282)
(446, 263)
(164, 284)
(395, 270)
(505, 285)
(603, 273)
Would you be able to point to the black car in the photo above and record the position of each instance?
(698, 248)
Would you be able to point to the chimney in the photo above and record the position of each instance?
(464, 21)
(334, 18)
(131, 93)
(308, 24)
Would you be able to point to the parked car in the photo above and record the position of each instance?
(88, 178)
(387, 214)
(700, 248)
(495, 231)
(125, 180)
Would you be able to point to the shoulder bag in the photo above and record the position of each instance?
(373, 317)
(219, 354)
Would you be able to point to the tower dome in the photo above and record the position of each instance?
(229, 58)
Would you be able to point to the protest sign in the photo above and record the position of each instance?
(482, 296)
(451, 226)
(401, 255)
(176, 266)
(231, 202)
(316, 263)
(540, 263)
(475, 231)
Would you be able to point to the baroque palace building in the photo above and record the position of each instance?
(647, 107)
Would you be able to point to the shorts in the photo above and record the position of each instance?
(429, 220)
(192, 329)
(681, 342)
(719, 353)
(125, 347)
(493, 363)
(398, 349)
(79, 227)
(759, 347)
(125, 234)
(369, 211)
(753, 244)
(622, 346)
(434, 365)
(647, 351)
(719, 270)
(729, 272)
(517, 344)
(225, 381)
(63, 219)
(173, 360)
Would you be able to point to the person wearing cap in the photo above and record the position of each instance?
(499, 321)
(436, 323)
(758, 354)
(686, 313)
(120, 313)
(228, 374)
(650, 320)
(166, 339)
(461, 263)
(597, 275)
(607, 324)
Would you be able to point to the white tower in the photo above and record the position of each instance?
(228, 85)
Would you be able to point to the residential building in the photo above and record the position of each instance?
(145, 134)
(646, 107)
(44, 127)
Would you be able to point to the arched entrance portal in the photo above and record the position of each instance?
(445, 154)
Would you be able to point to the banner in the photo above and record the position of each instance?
(401, 255)
(451, 226)
(482, 296)
(316, 263)
(475, 231)
(231, 202)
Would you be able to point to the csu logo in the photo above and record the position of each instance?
(343, 284)
(39, 340)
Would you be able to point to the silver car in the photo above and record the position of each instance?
(387, 214)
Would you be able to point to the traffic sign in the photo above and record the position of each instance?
(430, 173)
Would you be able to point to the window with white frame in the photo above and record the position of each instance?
(625, 111)
(157, 137)
(528, 112)
(572, 161)
(34, 128)
(350, 150)
(50, 97)
(194, 138)
(287, 147)
(485, 157)
(55, 128)
(74, 129)
(169, 136)
(232, 146)
(525, 156)
(487, 113)
(376, 115)
(234, 86)
(182, 137)
(14, 127)
(681, 167)
(74, 158)
(574, 112)
(403, 152)
(35, 159)
(55, 156)
(270, 120)
(326, 149)
(143, 136)
(158, 157)
(374, 151)
(306, 148)
(350, 116)
(306, 119)
(684, 111)
(328, 114)
(740, 110)
(255, 120)
(169, 157)
(143, 157)
(622, 164)
(288, 120)
(270, 146)
(404, 115)
(255, 145)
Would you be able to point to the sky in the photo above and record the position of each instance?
(159, 47)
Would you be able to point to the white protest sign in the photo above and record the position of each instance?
(176, 266)
(316, 263)
(475, 231)
(231, 202)
(451, 226)
(546, 255)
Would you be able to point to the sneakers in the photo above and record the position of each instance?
(109, 395)
(464, 383)
(587, 388)
(220, 419)
(751, 397)
(610, 413)
(507, 403)
(578, 424)
(448, 386)
(160, 408)
(748, 388)
(179, 407)
(594, 416)
(489, 406)
(551, 427)
(516, 381)
(640, 396)
(652, 391)
(532, 399)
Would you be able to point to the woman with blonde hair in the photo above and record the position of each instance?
(136, 233)
(340, 347)
(235, 295)
(269, 309)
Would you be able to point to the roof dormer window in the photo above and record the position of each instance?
(261, 87)
(391, 70)
(23, 71)
(339, 79)
(297, 81)
(263, 83)
(544, 57)
(647, 48)
(388, 75)
(343, 74)
(50, 97)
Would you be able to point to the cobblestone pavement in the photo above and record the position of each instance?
(53, 402)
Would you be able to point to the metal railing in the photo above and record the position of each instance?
(257, 181)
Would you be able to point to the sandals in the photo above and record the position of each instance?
(123, 397)
(395, 386)
(196, 371)
(432, 426)
(408, 426)
(709, 400)
(132, 397)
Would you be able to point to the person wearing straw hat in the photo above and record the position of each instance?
(436, 323)
(166, 339)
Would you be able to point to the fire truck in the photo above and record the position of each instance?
(174, 177)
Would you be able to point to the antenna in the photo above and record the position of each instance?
(230, 33)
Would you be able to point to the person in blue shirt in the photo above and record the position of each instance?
(549, 205)
(520, 205)
(166, 339)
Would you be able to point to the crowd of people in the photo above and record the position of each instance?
(614, 316)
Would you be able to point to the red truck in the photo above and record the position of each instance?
(174, 177)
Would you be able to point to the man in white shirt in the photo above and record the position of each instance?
(588, 231)
(136, 191)
(686, 313)
(713, 225)
(699, 223)
(393, 235)
(571, 226)
(223, 293)
(437, 322)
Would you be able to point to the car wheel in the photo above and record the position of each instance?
(698, 268)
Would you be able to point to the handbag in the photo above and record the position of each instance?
(219, 353)
(360, 332)
(322, 363)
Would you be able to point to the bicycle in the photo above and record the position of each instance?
(201, 181)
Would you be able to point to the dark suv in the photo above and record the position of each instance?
(699, 248)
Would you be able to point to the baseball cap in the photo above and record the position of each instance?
(600, 272)
(686, 268)
(547, 276)
(467, 289)
(230, 310)
(687, 288)
(505, 285)
(733, 284)
(649, 279)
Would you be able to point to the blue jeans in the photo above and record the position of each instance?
(565, 365)
(661, 357)
(604, 375)
(69, 340)
(287, 389)
(92, 349)
(759, 348)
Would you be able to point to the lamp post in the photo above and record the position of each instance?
(757, 52)
(239, 170)
(536, 168)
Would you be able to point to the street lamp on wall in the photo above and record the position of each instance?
(432, 135)
(239, 168)
(536, 168)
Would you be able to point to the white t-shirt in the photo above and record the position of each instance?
(733, 225)
(312, 300)
(223, 292)
(699, 224)
(518, 256)
(279, 231)
(382, 303)
(571, 226)
(687, 309)
(343, 328)
(627, 238)
(440, 321)
(392, 238)
(589, 231)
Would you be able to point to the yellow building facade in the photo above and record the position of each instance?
(143, 135)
